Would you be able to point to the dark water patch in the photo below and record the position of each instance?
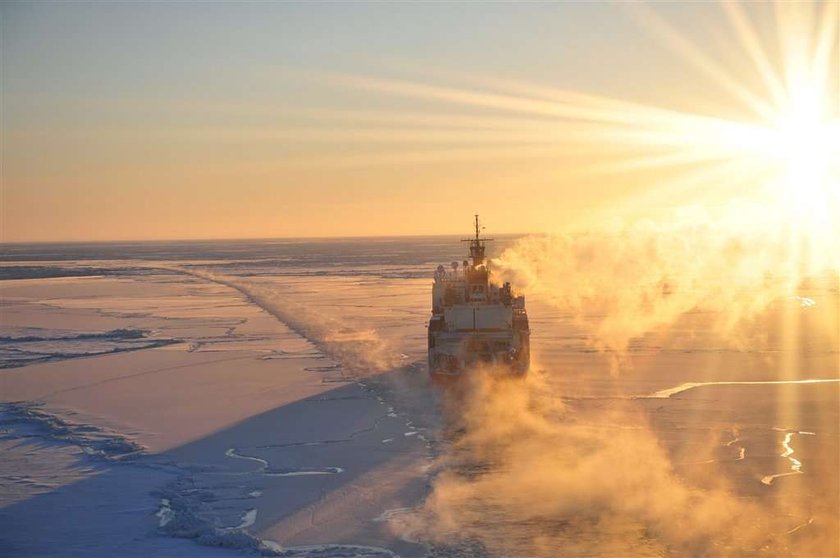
(17, 359)
(32, 346)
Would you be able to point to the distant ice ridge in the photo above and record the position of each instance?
(25, 419)
(27, 337)
(32, 345)
(50, 271)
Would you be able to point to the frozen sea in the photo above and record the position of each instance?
(271, 397)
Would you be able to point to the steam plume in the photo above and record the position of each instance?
(623, 282)
(526, 477)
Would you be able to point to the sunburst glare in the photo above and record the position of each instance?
(782, 153)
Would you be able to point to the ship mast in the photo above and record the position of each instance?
(477, 245)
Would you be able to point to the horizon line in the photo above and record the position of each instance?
(245, 239)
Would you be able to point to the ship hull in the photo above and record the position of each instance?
(454, 356)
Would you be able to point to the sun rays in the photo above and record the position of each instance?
(791, 126)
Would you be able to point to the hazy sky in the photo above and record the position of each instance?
(218, 120)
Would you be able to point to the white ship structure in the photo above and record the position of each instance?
(475, 321)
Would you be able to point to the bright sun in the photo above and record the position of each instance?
(807, 144)
(794, 146)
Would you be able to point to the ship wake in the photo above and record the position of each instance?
(361, 351)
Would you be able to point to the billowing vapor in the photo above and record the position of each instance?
(524, 476)
(630, 280)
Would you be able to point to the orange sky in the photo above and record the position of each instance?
(126, 121)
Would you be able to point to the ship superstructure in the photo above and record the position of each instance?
(474, 320)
